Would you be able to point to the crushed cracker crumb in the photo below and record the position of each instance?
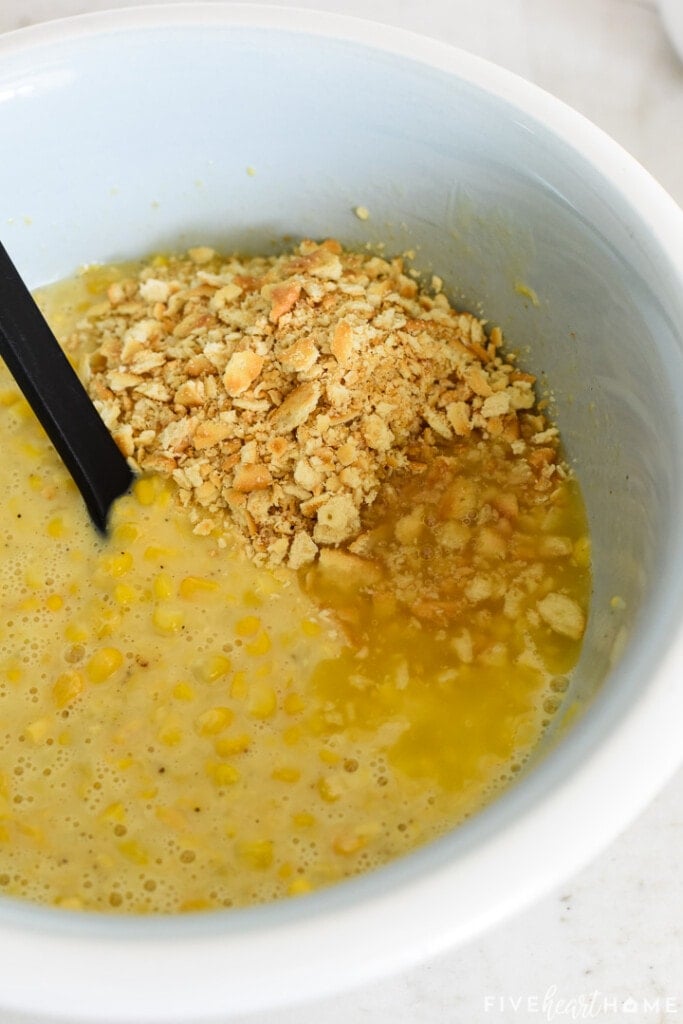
(281, 393)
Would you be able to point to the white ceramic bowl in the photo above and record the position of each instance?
(121, 133)
(672, 15)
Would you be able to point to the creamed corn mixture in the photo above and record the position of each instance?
(181, 728)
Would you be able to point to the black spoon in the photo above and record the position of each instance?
(57, 397)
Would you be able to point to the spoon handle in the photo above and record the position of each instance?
(59, 400)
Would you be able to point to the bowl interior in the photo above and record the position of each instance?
(268, 135)
(123, 136)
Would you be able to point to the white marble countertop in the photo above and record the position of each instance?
(608, 944)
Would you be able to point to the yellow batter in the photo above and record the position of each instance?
(181, 730)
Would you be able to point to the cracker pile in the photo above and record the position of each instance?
(279, 393)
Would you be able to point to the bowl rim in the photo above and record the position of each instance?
(453, 889)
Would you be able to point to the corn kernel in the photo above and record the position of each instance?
(23, 408)
(170, 735)
(103, 664)
(117, 565)
(227, 745)
(38, 731)
(167, 619)
(198, 903)
(125, 534)
(55, 528)
(30, 450)
(193, 586)
(266, 585)
(105, 862)
(134, 852)
(582, 552)
(292, 736)
(261, 645)
(75, 634)
(329, 789)
(286, 774)
(107, 622)
(262, 702)
(124, 594)
(66, 688)
(55, 602)
(69, 903)
(293, 704)
(310, 628)
(162, 586)
(212, 668)
(145, 490)
(97, 279)
(9, 397)
(299, 887)
(183, 691)
(328, 756)
(349, 843)
(222, 774)
(213, 721)
(155, 553)
(248, 626)
(14, 675)
(303, 819)
(115, 812)
(257, 854)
